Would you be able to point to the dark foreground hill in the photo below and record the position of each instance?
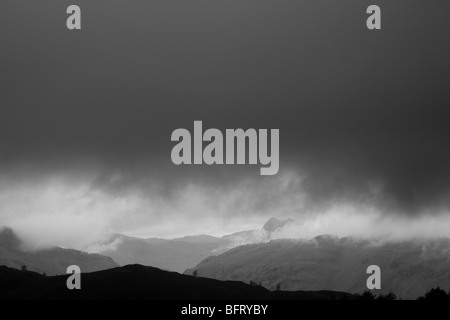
(139, 282)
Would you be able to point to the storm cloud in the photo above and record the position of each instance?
(363, 115)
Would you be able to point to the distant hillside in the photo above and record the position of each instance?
(139, 282)
(174, 255)
(50, 261)
(409, 268)
(182, 253)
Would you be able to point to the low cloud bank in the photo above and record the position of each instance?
(77, 213)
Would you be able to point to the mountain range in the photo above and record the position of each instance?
(408, 268)
(180, 254)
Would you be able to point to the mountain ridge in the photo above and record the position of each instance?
(179, 254)
(51, 261)
(140, 282)
(408, 268)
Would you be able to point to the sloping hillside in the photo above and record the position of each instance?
(139, 282)
(409, 268)
(174, 255)
(180, 254)
(50, 261)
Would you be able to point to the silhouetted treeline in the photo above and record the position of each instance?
(368, 295)
(436, 294)
(150, 283)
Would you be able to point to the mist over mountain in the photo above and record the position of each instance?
(408, 268)
(273, 224)
(179, 254)
(86, 120)
(52, 261)
(174, 255)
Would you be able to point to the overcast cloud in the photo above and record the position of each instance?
(86, 117)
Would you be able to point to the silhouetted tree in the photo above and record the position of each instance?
(253, 283)
(24, 268)
(389, 296)
(279, 286)
(436, 294)
(367, 295)
(195, 273)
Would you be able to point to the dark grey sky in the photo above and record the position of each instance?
(357, 110)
